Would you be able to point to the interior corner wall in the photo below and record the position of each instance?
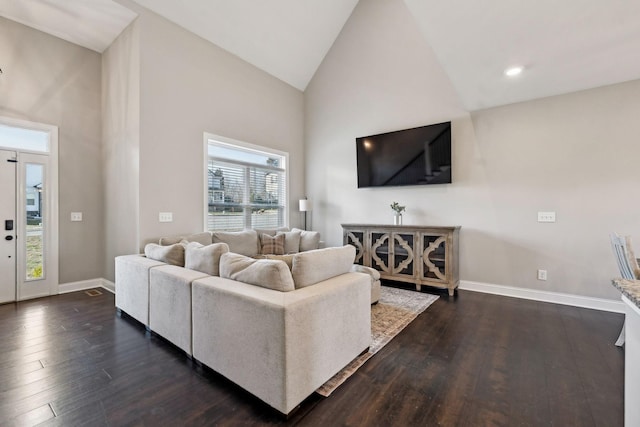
(574, 154)
(121, 145)
(189, 86)
(48, 80)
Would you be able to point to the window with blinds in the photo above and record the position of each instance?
(246, 187)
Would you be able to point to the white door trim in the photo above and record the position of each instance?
(52, 219)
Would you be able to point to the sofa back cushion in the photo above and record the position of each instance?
(202, 238)
(205, 259)
(315, 266)
(309, 240)
(267, 273)
(270, 231)
(172, 254)
(241, 242)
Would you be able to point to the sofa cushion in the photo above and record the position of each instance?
(272, 245)
(267, 273)
(315, 266)
(203, 238)
(309, 240)
(287, 258)
(172, 254)
(270, 231)
(205, 259)
(241, 242)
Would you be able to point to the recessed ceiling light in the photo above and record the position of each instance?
(513, 71)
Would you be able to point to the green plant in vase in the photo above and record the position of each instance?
(397, 216)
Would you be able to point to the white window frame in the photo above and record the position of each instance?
(210, 136)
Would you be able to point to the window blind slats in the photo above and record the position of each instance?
(242, 194)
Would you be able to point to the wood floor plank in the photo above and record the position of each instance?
(469, 360)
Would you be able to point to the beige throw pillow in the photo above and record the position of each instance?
(172, 254)
(309, 240)
(267, 273)
(287, 258)
(291, 242)
(312, 267)
(241, 242)
(272, 245)
(205, 259)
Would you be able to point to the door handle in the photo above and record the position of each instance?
(8, 238)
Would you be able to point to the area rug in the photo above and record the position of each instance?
(395, 310)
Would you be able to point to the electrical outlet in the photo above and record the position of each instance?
(542, 274)
(546, 217)
(76, 216)
(165, 217)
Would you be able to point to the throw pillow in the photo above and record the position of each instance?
(273, 245)
(266, 273)
(291, 242)
(287, 258)
(241, 242)
(312, 267)
(172, 254)
(309, 240)
(205, 259)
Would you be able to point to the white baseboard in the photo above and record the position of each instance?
(109, 285)
(82, 285)
(545, 296)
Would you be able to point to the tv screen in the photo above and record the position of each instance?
(417, 156)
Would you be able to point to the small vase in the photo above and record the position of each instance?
(397, 219)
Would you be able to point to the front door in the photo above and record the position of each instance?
(8, 226)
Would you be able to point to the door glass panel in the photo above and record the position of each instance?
(34, 196)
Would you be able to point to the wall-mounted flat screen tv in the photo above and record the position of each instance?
(417, 156)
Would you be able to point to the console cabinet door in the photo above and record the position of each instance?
(380, 250)
(403, 255)
(357, 238)
(434, 258)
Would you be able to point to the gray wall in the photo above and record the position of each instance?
(121, 145)
(51, 81)
(574, 154)
(160, 97)
(187, 91)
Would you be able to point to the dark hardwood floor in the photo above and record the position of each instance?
(470, 360)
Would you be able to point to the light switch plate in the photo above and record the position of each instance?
(76, 216)
(546, 217)
(165, 217)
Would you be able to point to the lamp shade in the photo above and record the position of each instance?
(305, 205)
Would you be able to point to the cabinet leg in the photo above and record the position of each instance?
(418, 287)
(451, 291)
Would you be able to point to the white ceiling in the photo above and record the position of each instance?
(565, 46)
(286, 38)
(93, 24)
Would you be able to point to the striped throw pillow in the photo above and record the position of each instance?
(272, 245)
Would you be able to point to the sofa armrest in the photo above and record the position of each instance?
(281, 346)
(132, 285)
(375, 280)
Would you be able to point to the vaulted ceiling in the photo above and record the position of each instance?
(563, 46)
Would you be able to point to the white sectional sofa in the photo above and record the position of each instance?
(279, 332)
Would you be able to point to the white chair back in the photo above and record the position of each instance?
(618, 244)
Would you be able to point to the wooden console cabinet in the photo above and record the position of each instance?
(416, 254)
